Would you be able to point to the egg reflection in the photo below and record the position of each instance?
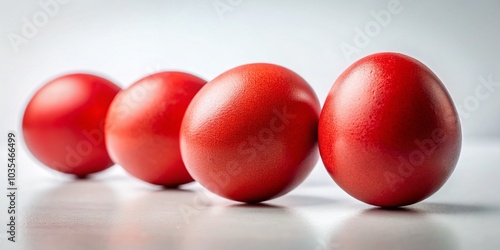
(249, 227)
(157, 220)
(392, 229)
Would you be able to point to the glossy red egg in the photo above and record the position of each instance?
(63, 124)
(250, 134)
(389, 134)
(142, 127)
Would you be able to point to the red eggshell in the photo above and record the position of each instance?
(142, 127)
(389, 134)
(63, 124)
(250, 134)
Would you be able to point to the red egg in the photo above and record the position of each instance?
(250, 134)
(142, 127)
(63, 124)
(389, 134)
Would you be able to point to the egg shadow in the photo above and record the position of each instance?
(297, 200)
(257, 206)
(249, 226)
(453, 208)
(381, 228)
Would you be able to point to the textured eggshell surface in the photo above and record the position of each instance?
(143, 123)
(251, 133)
(389, 134)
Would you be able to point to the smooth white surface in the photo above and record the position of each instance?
(114, 211)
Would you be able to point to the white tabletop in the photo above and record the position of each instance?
(114, 211)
